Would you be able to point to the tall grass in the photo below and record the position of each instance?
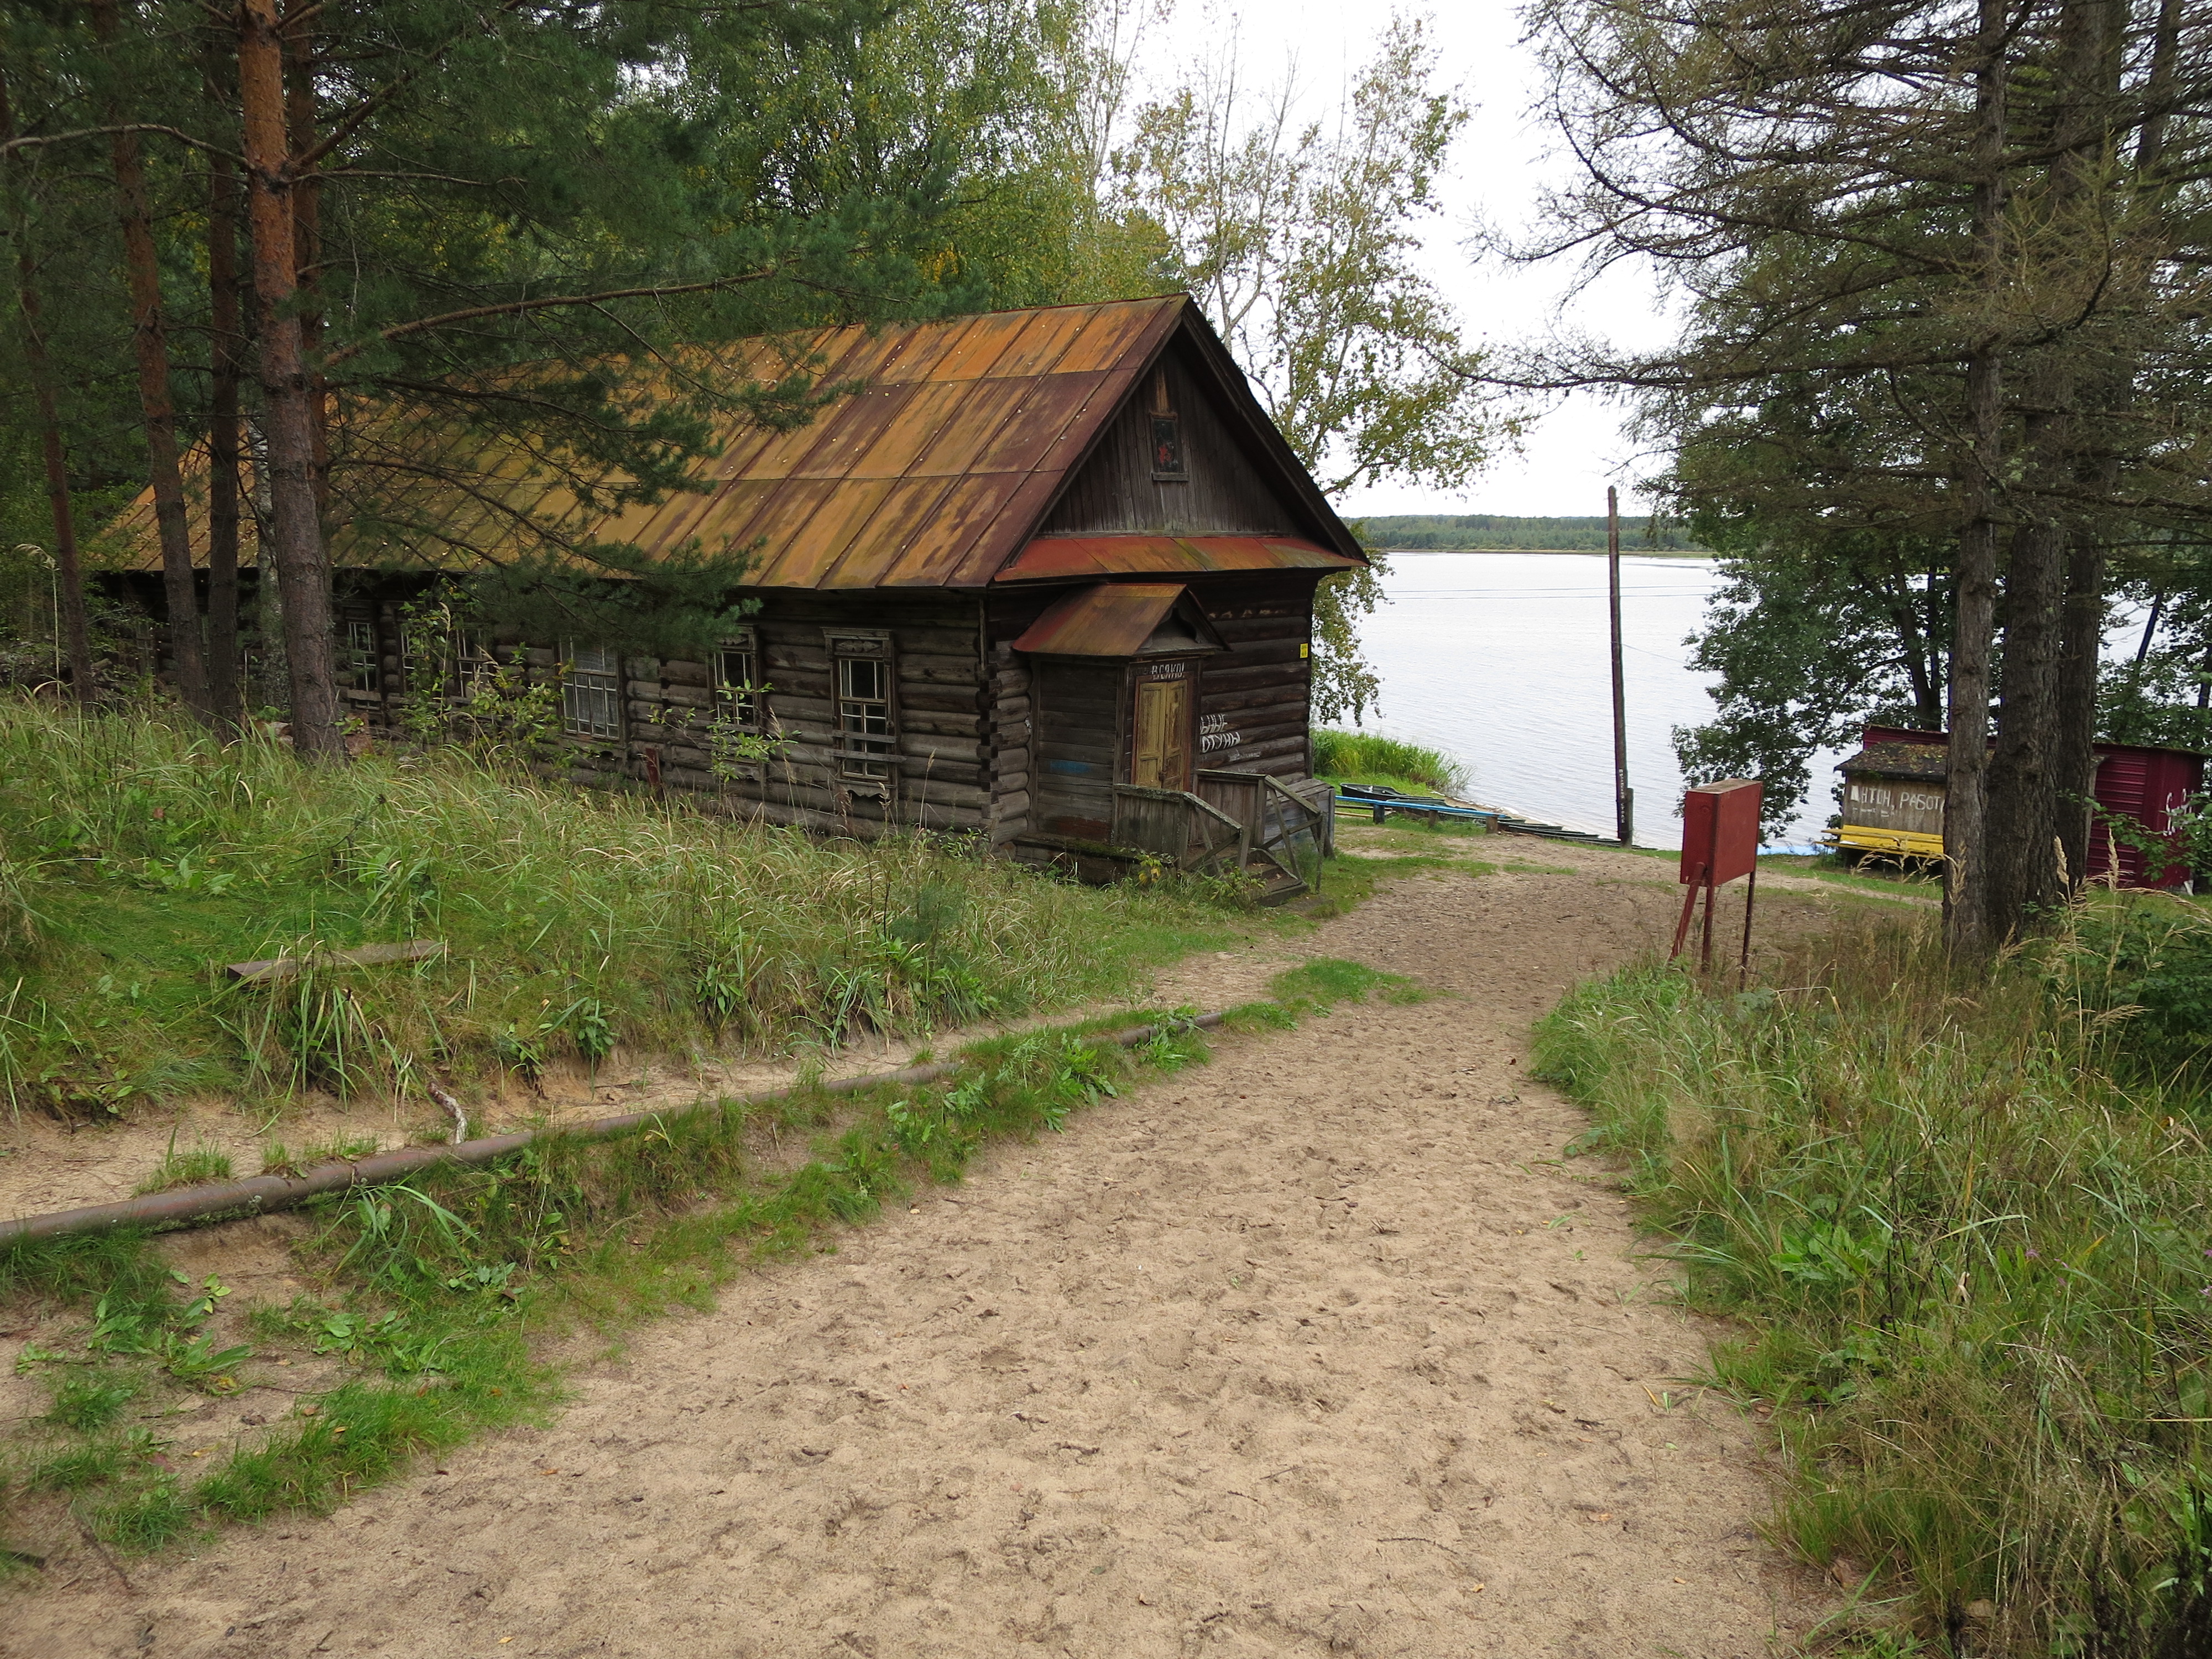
(1971, 1239)
(1363, 758)
(137, 856)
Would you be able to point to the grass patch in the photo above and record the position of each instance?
(1364, 757)
(440, 1295)
(277, 1158)
(1349, 880)
(141, 855)
(188, 1168)
(1318, 985)
(1405, 833)
(1965, 1216)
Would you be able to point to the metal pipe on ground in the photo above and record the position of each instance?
(262, 1195)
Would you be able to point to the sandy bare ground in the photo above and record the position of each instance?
(1319, 1349)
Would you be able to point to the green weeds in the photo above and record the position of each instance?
(1364, 757)
(186, 1168)
(1318, 985)
(277, 1158)
(1970, 1237)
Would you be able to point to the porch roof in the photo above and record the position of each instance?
(1055, 558)
(1118, 619)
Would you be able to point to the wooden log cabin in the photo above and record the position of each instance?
(1045, 577)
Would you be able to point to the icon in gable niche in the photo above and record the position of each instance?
(1167, 446)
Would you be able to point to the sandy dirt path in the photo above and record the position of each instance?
(1319, 1349)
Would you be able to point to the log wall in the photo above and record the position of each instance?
(941, 712)
(1254, 704)
(989, 742)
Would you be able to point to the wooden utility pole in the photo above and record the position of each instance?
(1624, 797)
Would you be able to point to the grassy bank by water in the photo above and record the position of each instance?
(1963, 1217)
(137, 856)
(1364, 757)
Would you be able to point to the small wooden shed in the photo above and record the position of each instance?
(1892, 797)
(1045, 576)
(1892, 801)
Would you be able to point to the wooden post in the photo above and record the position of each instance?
(1689, 904)
(1743, 962)
(1624, 799)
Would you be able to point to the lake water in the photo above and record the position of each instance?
(1500, 661)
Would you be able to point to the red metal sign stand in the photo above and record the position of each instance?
(1690, 903)
(1720, 841)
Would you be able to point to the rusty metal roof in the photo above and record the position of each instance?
(932, 474)
(1118, 619)
(1900, 760)
(1055, 558)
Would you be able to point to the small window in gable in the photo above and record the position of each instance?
(590, 694)
(867, 736)
(739, 692)
(1168, 460)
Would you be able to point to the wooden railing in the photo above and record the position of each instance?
(1247, 822)
(1176, 827)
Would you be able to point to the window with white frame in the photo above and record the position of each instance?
(867, 738)
(739, 692)
(363, 668)
(473, 668)
(591, 693)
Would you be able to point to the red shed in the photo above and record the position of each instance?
(2143, 783)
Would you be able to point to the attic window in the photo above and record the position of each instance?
(1168, 460)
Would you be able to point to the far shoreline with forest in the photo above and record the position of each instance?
(1478, 532)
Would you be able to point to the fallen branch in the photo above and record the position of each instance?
(453, 1108)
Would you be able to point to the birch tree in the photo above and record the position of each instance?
(1301, 238)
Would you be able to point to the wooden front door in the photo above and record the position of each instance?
(1162, 760)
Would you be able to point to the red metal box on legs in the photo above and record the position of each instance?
(1720, 831)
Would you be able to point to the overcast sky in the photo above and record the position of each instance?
(1500, 161)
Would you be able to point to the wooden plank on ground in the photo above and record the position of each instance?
(366, 956)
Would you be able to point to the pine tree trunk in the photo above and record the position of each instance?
(2030, 774)
(149, 345)
(75, 635)
(2081, 651)
(225, 695)
(307, 246)
(294, 540)
(2020, 841)
(68, 576)
(1965, 880)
